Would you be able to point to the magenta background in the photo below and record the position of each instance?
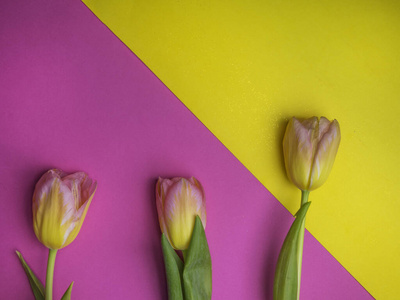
(74, 97)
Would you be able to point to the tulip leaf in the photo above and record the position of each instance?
(67, 294)
(197, 282)
(286, 273)
(173, 270)
(36, 286)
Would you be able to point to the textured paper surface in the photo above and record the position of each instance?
(245, 67)
(74, 97)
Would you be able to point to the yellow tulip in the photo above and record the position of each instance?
(179, 200)
(60, 203)
(309, 149)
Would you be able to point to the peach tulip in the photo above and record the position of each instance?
(309, 148)
(60, 203)
(179, 200)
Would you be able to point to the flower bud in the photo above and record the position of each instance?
(60, 203)
(179, 200)
(309, 149)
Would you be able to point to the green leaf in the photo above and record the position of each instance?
(67, 294)
(286, 273)
(197, 282)
(173, 270)
(36, 285)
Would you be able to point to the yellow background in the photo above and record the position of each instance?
(244, 67)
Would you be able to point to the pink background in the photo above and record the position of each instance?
(74, 97)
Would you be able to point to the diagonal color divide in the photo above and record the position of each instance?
(74, 97)
(243, 68)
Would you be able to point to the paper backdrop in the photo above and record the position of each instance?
(244, 67)
(73, 96)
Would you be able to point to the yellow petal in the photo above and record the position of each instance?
(183, 202)
(298, 151)
(325, 155)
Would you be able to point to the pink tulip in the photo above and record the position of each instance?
(179, 200)
(60, 203)
(309, 149)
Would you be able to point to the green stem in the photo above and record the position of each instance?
(50, 274)
(184, 254)
(304, 199)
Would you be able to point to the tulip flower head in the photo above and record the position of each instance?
(179, 200)
(60, 203)
(309, 149)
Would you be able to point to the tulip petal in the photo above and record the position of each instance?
(298, 150)
(79, 216)
(323, 127)
(183, 202)
(81, 186)
(202, 197)
(44, 187)
(325, 154)
(50, 214)
(160, 196)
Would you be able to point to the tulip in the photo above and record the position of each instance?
(60, 204)
(309, 148)
(179, 200)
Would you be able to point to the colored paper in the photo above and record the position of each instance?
(74, 97)
(245, 67)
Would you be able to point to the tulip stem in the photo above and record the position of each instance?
(50, 272)
(304, 199)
